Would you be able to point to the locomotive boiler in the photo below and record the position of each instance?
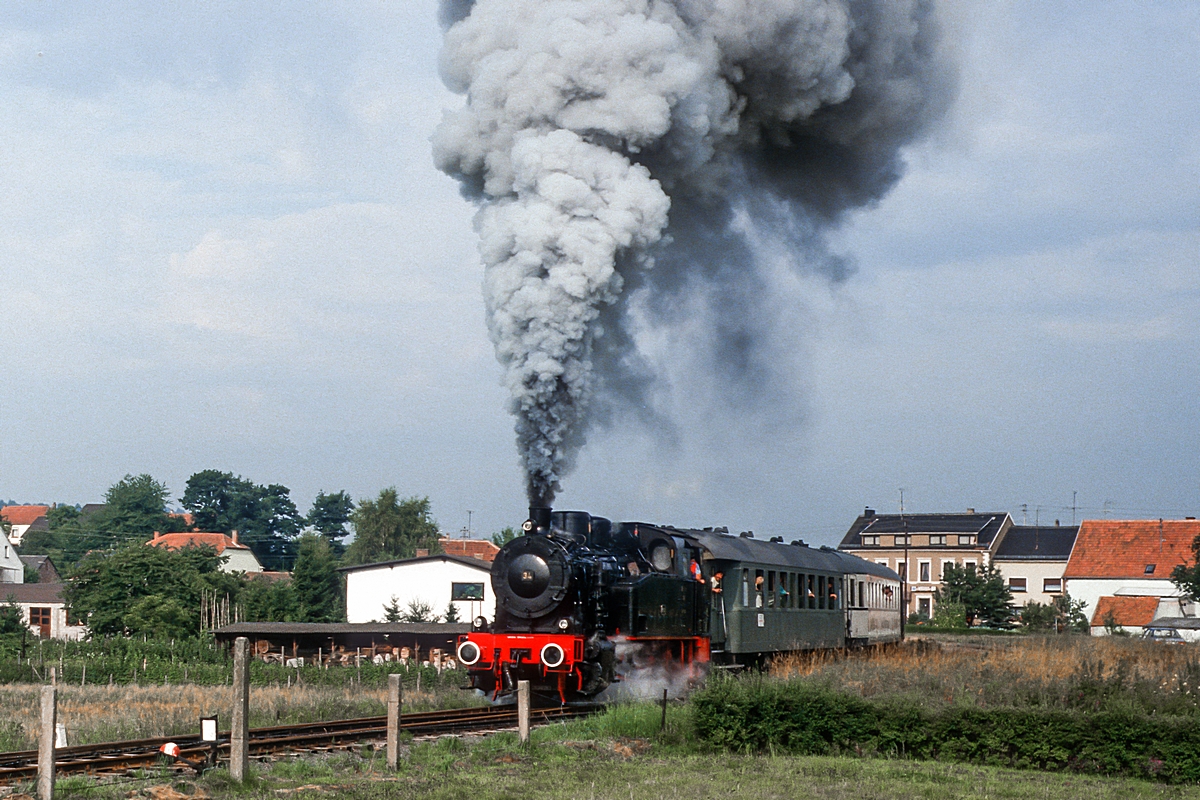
(582, 603)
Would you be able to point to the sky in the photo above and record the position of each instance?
(224, 245)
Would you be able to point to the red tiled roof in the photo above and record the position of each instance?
(1126, 611)
(469, 548)
(175, 541)
(22, 515)
(1125, 548)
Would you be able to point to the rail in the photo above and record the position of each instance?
(120, 757)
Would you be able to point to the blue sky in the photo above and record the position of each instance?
(223, 244)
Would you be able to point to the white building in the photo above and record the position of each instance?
(238, 557)
(1115, 561)
(433, 581)
(21, 518)
(12, 569)
(1032, 560)
(43, 609)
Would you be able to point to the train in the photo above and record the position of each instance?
(582, 604)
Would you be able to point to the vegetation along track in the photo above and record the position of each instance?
(119, 757)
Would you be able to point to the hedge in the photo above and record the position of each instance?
(794, 717)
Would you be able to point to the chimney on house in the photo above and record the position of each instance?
(233, 535)
(422, 552)
(157, 536)
(868, 512)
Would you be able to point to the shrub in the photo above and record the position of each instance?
(762, 715)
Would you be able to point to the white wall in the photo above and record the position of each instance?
(1034, 573)
(428, 581)
(11, 568)
(239, 560)
(1090, 590)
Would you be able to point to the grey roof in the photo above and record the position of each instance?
(984, 525)
(33, 561)
(32, 592)
(800, 557)
(1036, 543)
(333, 628)
(1187, 623)
(473, 563)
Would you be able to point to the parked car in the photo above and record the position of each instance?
(1163, 636)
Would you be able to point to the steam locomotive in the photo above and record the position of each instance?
(581, 603)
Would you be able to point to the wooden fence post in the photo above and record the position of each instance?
(395, 695)
(45, 773)
(239, 737)
(523, 711)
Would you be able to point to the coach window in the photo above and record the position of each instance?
(833, 593)
(771, 588)
(850, 586)
(785, 590)
(860, 595)
(820, 591)
(810, 591)
(746, 587)
(758, 588)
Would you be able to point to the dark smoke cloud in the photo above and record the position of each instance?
(647, 165)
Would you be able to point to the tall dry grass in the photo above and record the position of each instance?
(1102, 673)
(113, 713)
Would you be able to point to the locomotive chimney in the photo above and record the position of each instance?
(539, 518)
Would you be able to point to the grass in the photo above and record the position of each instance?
(112, 713)
(593, 759)
(1063, 672)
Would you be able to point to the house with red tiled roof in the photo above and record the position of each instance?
(1114, 561)
(238, 557)
(21, 518)
(1129, 614)
(470, 548)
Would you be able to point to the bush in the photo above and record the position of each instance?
(768, 716)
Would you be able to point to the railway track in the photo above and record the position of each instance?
(107, 758)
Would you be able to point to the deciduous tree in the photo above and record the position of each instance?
(265, 517)
(388, 528)
(329, 515)
(982, 592)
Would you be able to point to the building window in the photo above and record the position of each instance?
(870, 541)
(969, 539)
(937, 538)
(902, 570)
(39, 620)
(466, 591)
(923, 571)
(1150, 569)
(1016, 584)
(946, 563)
(1052, 585)
(923, 606)
(901, 541)
(971, 565)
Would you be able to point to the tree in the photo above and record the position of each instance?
(451, 614)
(391, 610)
(265, 517)
(329, 515)
(315, 581)
(1187, 578)
(265, 600)
(117, 591)
(134, 508)
(982, 593)
(503, 537)
(418, 611)
(11, 618)
(388, 528)
(1061, 615)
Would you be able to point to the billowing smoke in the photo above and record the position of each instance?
(648, 153)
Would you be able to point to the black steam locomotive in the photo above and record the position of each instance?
(580, 600)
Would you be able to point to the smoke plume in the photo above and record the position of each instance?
(641, 152)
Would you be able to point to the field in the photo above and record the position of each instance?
(110, 713)
(1054, 672)
(623, 753)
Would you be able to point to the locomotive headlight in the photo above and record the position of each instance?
(553, 655)
(479, 623)
(564, 623)
(468, 653)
